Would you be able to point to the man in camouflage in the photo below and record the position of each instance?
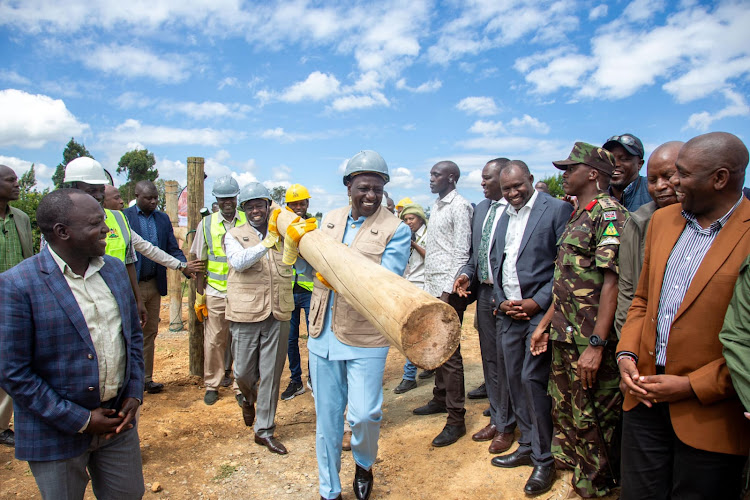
(584, 378)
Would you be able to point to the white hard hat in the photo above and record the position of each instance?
(85, 169)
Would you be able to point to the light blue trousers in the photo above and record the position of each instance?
(358, 382)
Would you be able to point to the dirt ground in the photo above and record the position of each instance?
(196, 451)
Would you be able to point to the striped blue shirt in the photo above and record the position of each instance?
(683, 263)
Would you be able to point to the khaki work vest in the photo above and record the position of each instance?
(263, 288)
(347, 324)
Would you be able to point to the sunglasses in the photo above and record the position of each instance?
(628, 140)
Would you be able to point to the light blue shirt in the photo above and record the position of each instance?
(395, 257)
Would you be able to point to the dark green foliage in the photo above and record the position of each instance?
(554, 182)
(139, 165)
(278, 194)
(29, 200)
(72, 151)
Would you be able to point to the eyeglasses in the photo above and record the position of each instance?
(628, 140)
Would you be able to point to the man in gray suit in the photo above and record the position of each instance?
(478, 273)
(524, 255)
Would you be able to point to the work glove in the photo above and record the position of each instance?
(323, 280)
(272, 237)
(201, 310)
(294, 232)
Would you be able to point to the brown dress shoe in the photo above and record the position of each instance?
(486, 434)
(272, 444)
(248, 413)
(346, 443)
(502, 442)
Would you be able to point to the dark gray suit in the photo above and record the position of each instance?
(501, 413)
(535, 268)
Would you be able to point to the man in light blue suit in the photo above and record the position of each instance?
(523, 267)
(347, 353)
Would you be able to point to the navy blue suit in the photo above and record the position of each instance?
(48, 363)
(167, 242)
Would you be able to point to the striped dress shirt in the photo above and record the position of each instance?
(683, 263)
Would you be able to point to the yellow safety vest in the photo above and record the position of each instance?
(213, 233)
(119, 236)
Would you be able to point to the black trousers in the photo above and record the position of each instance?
(449, 388)
(657, 465)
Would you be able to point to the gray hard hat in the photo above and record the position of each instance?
(225, 187)
(366, 161)
(253, 191)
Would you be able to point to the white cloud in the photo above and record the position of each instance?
(32, 120)
(640, 10)
(207, 109)
(136, 63)
(402, 177)
(350, 102)
(317, 86)
(482, 106)
(737, 106)
(134, 131)
(13, 78)
(428, 86)
(527, 122)
(598, 12)
(229, 81)
(487, 127)
(42, 172)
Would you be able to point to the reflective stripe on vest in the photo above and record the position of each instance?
(302, 280)
(118, 238)
(213, 233)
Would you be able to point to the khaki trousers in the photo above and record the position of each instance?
(152, 301)
(215, 343)
(6, 410)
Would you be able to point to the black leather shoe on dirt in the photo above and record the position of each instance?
(8, 438)
(363, 481)
(211, 397)
(405, 386)
(430, 408)
(541, 480)
(478, 393)
(449, 435)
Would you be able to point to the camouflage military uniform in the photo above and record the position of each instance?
(588, 246)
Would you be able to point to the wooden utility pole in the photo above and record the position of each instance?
(174, 280)
(195, 203)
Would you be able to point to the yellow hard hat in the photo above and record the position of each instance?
(296, 192)
(403, 202)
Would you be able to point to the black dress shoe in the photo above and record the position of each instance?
(515, 459)
(449, 435)
(405, 386)
(487, 412)
(8, 438)
(272, 444)
(541, 480)
(478, 393)
(362, 483)
(153, 387)
(426, 374)
(430, 408)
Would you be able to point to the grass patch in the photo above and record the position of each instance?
(225, 470)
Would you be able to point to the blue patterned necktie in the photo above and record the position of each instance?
(484, 246)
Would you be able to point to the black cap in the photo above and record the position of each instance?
(631, 143)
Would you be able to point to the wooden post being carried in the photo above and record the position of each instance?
(425, 329)
(174, 280)
(195, 203)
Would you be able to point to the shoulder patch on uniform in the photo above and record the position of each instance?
(607, 203)
(609, 240)
(611, 230)
(610, 215)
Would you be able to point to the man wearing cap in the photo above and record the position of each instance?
(258, 307)
(626, 186)
(211, 290)
(584, 379)
(347, 353)
(413, 216)
(15, 245)
(298, 200)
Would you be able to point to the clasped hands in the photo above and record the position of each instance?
(653, 388)
(110, 422)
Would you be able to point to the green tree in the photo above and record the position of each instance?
(278, 194)
(28, 201)
(554, 182)
(139, 165)
(72, 151)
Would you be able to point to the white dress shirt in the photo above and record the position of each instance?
(517, 220)
(498, 213)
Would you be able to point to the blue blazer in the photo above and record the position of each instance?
(48, 364)
(536, 256)
(167, 242)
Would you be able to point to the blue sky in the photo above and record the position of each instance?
(285, 92)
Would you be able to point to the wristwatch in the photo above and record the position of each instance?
(597, 341)
(181, 266)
